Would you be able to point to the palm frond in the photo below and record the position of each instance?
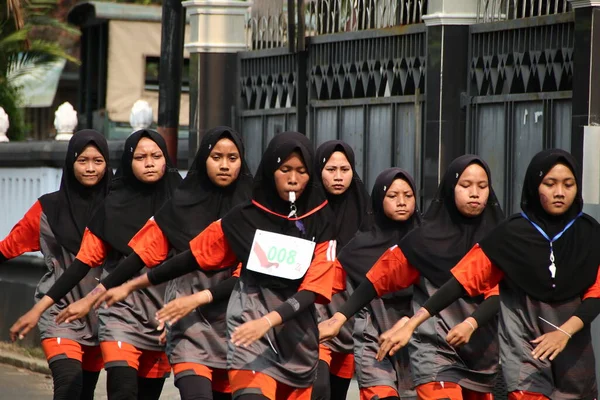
(50, 22)
(51, 48)
(36, 67)
(17, 37)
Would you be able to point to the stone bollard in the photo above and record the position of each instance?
(141, 115)
(65, 121)
(4, 124)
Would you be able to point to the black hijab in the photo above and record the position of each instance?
(359, 255)
(130, 202)
(69, 209)
(351, 208)
(198, 202)
(520, 250)
(267, 211)
(446, 235)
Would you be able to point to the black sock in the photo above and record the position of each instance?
(194, 387)
(321, 387)
(338, 387)
(150, 388)
(221, 396)
(67, 378)
(122, 383)
(90, 379)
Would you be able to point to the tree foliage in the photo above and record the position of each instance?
(30, 36)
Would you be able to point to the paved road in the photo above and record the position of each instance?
(16, 384)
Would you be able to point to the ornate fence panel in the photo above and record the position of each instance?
(367, 89)
(267, 101)
(519, 94)
(360, 78)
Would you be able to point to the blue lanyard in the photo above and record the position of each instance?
(552, 266)
(544, 234)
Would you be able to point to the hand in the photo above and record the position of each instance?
(331, 328)
(24, 324)
(461, 333)
(394, 339)
(249, 332)
(74, 311)
(397, 326)
(179, 308)
(549, 344)
(113, 296)
(162, 339)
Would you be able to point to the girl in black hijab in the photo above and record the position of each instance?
(395, 214)
(546, 260)
(464, 210)
(218, 180)
(128, 337)
(346, 193)
(55, 225)
(284, 240)
(349, 201)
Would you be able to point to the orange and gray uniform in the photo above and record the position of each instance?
(288, 354)
(432, 358)
(571, 375)
(129, 323)
(390, 377)
(77, 339)
(198, 340)
(338, 352)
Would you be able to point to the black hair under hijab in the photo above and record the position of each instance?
(267, 211)
(197, 201)
(520, 250)
(351, 208)
(131, 202)
(69, 209)
(359, 255)
(446, 235)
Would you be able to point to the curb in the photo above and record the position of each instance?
(19, 361)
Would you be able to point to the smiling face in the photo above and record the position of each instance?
(558, 190)
(337, 174)
(291, 176)
(224, 163)
(90, 166)
(399, 201)
(472, 191)
(149, 163)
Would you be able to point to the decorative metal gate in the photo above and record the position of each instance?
(366, 90)
(361, 79)
(520, 88)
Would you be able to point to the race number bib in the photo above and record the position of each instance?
(279, 255)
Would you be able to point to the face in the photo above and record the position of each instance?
(472, 191)
(223, 163)
(149, 163)
(337, 174)
(291, 176)
(399, 201)
(558, 190)
(90, 166)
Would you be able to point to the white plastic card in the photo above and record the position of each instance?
(280, 255)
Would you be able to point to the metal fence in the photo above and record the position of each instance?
(367, 89)
(363, 87)
(519, 95)
(503, 10)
